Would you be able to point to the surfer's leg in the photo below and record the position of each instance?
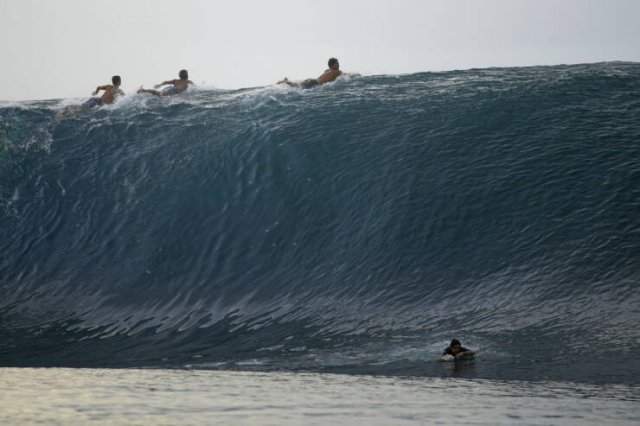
(288, 83)
(92, 102)
(149, 91)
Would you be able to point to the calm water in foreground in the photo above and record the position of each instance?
(187, 397)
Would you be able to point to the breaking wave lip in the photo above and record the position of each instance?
(352, 228)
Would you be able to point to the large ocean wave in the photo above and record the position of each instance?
(355, 227)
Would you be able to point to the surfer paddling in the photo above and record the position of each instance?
(111, 93)
(328, 76)
(175, 86)
(455, 350)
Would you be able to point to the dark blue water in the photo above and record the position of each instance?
(352, 228)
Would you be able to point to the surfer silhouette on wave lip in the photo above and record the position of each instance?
(111, 92)
(455, 351)
(175, 86)
(329, 75)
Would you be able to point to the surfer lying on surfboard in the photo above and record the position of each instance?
(111, 92)
(328, 76)
(455, 350)
(175, 86)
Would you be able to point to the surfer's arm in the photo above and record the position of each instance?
(99, 88)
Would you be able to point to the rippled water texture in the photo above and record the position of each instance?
(353, 228)
(162, 397)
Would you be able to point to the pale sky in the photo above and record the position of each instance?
(65, 48)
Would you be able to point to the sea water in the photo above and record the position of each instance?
(55, 396)
(352, 229)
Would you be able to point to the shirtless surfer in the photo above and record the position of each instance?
(328, 76)
(175, 86)
(111, 92)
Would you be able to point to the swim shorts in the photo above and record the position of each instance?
(170, 91)
(308, 84)
(92, 102)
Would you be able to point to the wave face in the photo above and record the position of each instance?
(356, 227)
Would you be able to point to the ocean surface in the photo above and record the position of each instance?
(354, 228)
(68, 397)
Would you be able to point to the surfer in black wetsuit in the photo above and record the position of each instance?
(328, 76)
(458, 351)
(175, 86)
